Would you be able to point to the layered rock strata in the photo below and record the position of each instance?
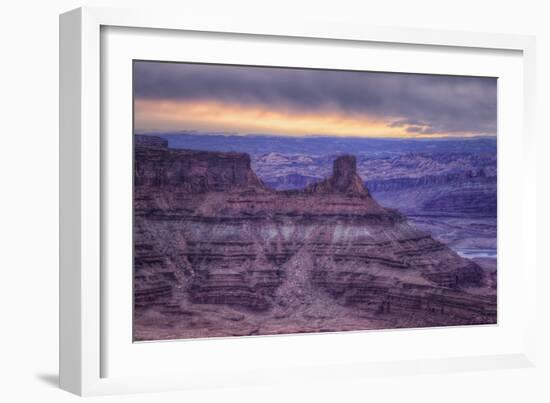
(217, 253)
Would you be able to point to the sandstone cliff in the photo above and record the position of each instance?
(218, 253)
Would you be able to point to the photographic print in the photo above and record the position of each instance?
(273, 200)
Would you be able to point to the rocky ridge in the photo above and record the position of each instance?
(217, 253)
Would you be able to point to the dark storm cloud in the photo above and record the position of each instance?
(422, 103)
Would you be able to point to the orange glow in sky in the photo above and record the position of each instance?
(214, 116)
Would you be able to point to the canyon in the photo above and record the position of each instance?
(219, 251)
(446, 187)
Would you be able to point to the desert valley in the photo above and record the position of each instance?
(273, 236)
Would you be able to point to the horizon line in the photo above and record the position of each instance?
(316, 136)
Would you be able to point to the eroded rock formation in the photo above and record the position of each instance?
(217, 253)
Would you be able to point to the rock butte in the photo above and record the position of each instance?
(217, 253)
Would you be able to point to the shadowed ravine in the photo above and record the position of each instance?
(218, 253)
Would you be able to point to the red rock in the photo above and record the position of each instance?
(208, 233)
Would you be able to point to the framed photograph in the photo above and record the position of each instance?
(250, 201)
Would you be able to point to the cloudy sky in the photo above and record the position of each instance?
(300, 102)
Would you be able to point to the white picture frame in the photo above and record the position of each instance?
(87, 343)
